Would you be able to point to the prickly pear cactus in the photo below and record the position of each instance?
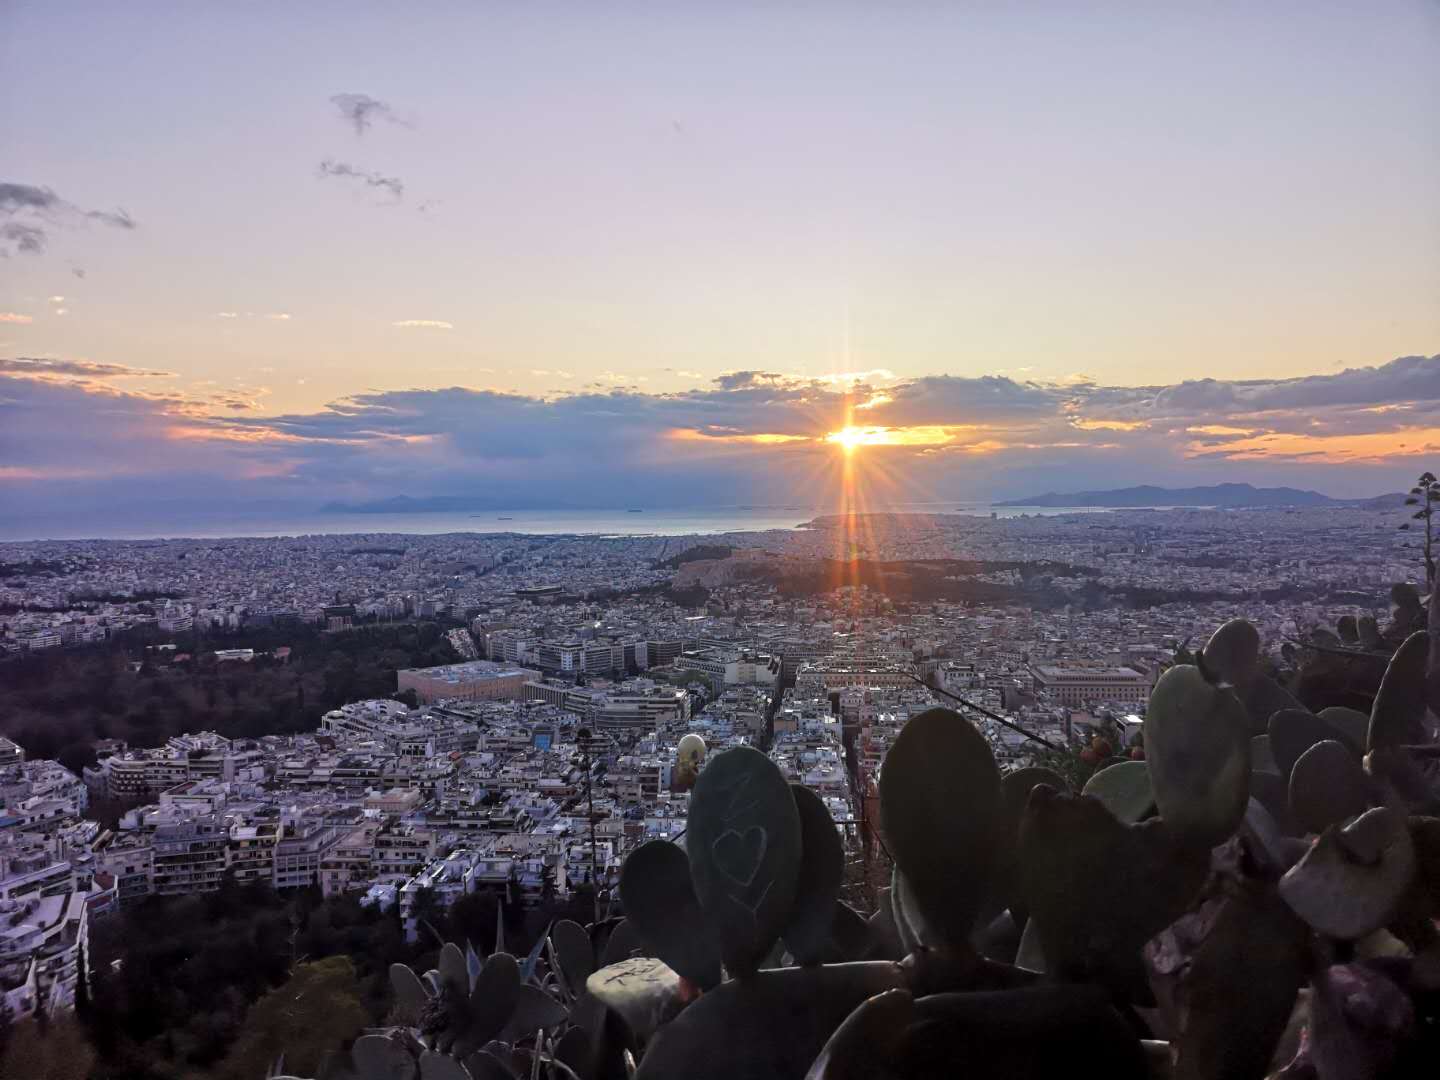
(744, 845)
(940, 810)
(1198, 749)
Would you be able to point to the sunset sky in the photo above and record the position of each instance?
(585, 255)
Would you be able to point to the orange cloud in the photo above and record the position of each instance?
(1372, 448)
(1108, 425)
(761, 439)
(1219, 429)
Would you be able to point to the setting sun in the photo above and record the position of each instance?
(850, 436)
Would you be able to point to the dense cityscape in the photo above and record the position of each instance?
(544, 749)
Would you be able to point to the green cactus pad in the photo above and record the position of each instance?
(659, 899)
(1327, 786)
(940, 812)
(1124, 790)
(822, 866)
(1233, 653)
(1352, 724)
(1197, 748)
(745, 851)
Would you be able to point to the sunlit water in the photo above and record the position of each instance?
(617, 522)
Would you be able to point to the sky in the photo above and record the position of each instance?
(280, 255)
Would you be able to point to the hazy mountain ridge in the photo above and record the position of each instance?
(1224, 495)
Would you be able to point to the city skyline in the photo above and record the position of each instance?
(513, 253)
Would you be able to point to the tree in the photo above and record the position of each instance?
(59, 1052)
(307, 1018)
(1426, 494)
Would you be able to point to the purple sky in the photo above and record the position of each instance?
(292, 253)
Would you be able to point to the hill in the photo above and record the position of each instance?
(1226, 495)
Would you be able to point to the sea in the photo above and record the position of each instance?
(615, 522)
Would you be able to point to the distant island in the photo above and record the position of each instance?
(1220, 495)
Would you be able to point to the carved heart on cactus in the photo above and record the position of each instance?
(738, 855)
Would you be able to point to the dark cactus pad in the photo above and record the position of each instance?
(493, 997)
(822, 865)
(772, 1025)
(574, 952)
(1348, 630)
(622, 944)
(661, 907)
(850, 937)
(1263, 698)
(940, 811)
(1352, 880)
(1261, 759)
(1292, 732)
(745, 851)
(1198, 749)
(1015, 788)
(1327, 786)
(1398, 717)
(1041, 1031)
(1099, 889)
(865, 1046)
(1369, 632)
(1227, 975)
(1273, 794)
(1352, 724)
(1233, 653)
(1124, 789)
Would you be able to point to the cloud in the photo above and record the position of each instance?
(15, 317)
(27, 211)
(342, 169)
(25, 365)
(424, 324)
(121, 219)
(29, 239)
(361, 111)
(744, 436)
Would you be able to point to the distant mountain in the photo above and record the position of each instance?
(1226, 495)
